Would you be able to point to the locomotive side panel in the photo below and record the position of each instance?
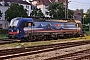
(52, 29)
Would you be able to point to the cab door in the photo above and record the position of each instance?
(28, 28)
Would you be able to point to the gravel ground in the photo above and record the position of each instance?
(6, 46)
(50, 54)
(69, 41)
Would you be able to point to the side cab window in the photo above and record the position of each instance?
(29, 24)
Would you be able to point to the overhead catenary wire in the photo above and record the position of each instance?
(79, 3)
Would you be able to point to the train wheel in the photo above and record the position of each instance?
(77, 35)
(10, 37)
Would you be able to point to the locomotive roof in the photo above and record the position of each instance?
(50, 20)
(53, 20)
(75, 21)
(39, 20)
(57, 20)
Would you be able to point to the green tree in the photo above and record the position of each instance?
(15, 10)
(80, 10)
(57, 11)
(87, 17)
(70, 13)
(37, 13)
(0, 14)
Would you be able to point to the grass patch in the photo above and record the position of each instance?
(69, 50)
(73, 38)
(37, 43)
(56, 53)
(3, 36)
(16, 44)
(44, 55)
(26, 44)
(88, 32)
(36, 56)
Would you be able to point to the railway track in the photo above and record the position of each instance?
(7, 41)
(16, 52)
(80, 55)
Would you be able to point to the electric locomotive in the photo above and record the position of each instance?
(41, 29)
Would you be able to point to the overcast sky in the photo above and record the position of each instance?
(79, 4)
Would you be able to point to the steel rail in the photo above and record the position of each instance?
(10, 53)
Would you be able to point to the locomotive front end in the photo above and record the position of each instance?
(13, 31)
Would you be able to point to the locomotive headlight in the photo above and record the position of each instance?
(11, 30)
(17, 30)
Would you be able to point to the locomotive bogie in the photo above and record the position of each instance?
(11, 36)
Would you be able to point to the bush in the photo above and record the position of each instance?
(85, 28)
(3, 31)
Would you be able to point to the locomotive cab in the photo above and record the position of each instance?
(16, 28)
(12, 31)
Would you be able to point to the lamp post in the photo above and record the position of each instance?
(66, 8)
(84, 16)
